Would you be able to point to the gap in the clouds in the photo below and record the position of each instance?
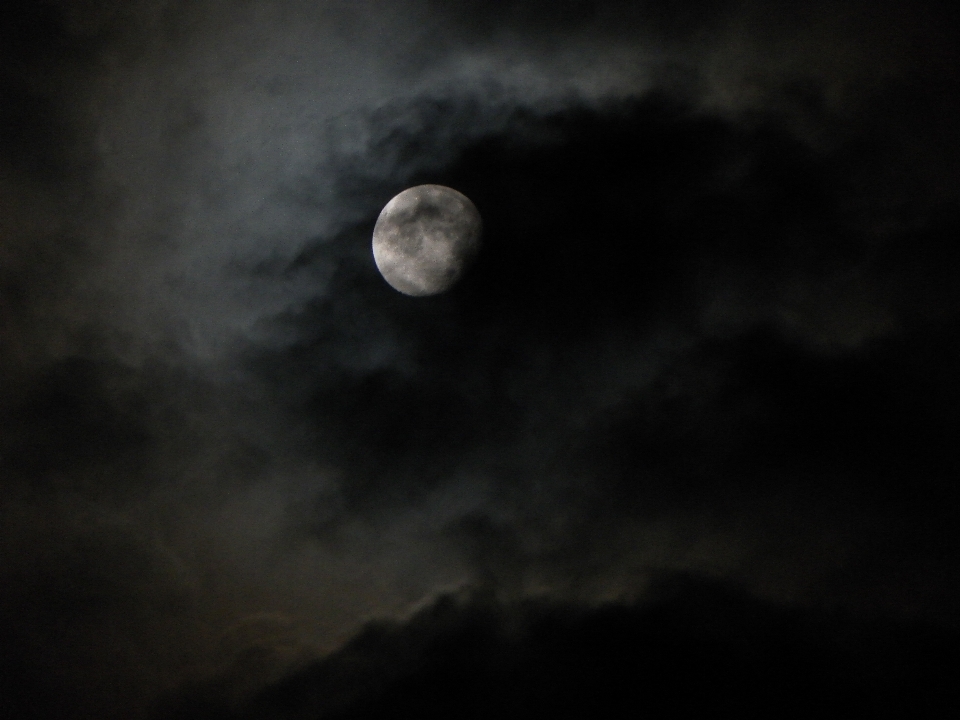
(600, 217)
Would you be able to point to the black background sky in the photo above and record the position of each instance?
(683, 438)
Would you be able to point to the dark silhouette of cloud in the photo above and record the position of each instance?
(692, 647)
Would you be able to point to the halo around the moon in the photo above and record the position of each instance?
(424, 239)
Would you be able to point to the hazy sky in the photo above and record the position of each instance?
(712, 332)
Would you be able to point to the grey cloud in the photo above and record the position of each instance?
(221, 140)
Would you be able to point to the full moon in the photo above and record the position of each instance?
(424, 239)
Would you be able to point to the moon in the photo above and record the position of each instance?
(425, 238)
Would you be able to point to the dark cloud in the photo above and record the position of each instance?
(692, 647)
(711, 332)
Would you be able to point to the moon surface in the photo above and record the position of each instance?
(425, 238)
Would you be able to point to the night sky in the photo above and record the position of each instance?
(684, 439)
